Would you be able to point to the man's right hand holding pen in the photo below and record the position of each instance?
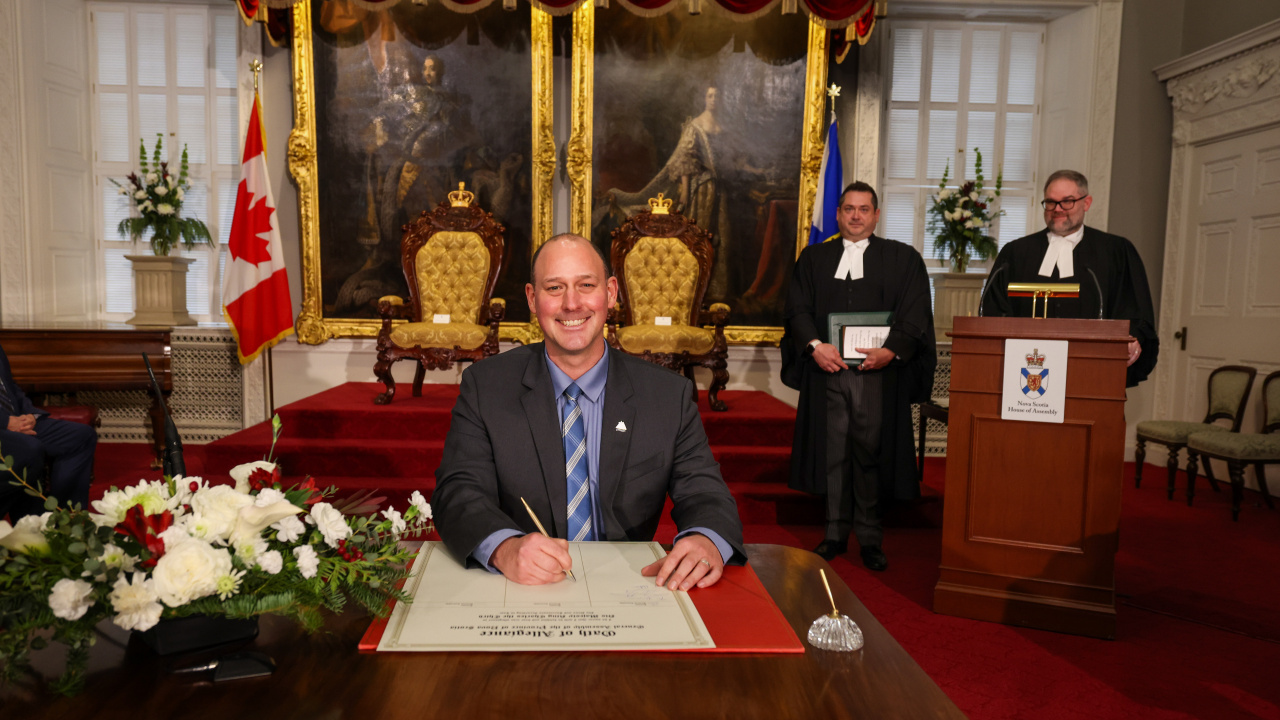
(533, 559)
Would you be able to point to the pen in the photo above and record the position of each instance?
(543, 530)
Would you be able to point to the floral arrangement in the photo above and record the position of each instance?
(181, 546)
(157, 196)
(959, 218)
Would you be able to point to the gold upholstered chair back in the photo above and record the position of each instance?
(663, 264)
(451, 258)
(662, 278)
(452, 272)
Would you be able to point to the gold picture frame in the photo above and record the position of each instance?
(578, 163)
(312, 326)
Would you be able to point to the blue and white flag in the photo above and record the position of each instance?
(830, 183)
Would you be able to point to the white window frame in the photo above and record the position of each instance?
(210, 174)
(924, 185)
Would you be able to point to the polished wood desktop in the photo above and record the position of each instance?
(323, 676)
(70, 357)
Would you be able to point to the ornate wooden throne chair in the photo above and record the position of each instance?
(663, 263)
(451, 258)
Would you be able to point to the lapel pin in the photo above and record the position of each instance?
(621, 426)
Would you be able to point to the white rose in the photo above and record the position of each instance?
(140, 195)
(977, 222)
(71, 599)
(398, 525)
(271, 561)
(330, 523)
(289, 529)
(974, 196)
(219, 506)
(152, 177)
(136, 603)
(189, 572)
(164, 209)
(178, 533)
(308, 561)
(944, 193)
(966, 214)
(968, 223)
(180, 194)
(241, 473)
(161, 190)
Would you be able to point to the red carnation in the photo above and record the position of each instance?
(262, 478)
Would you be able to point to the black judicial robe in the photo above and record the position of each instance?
(1122, 280)
(894, 278)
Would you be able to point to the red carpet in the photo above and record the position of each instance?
(1199, 631)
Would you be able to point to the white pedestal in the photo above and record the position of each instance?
(954, 295)
(160, 290)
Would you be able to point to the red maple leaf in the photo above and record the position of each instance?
(248, 227)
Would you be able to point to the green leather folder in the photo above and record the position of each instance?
(836, 322)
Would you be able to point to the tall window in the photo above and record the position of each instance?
(168, 69)
(954, 87)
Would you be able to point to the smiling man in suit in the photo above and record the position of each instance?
(593, 439)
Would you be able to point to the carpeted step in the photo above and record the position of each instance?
(749, 463)
(346, 457)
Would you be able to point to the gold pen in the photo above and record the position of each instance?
(543, 530)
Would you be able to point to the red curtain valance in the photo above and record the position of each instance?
(833, 14)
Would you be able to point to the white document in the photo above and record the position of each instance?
(1035, 380)
(440, 319)
(610, 607)
(861, 336)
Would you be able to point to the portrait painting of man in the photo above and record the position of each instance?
(708, 111)
(411, 101)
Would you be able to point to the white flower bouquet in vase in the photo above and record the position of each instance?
(157, 196)
(182, 547)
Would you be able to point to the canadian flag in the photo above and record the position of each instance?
(255, 288)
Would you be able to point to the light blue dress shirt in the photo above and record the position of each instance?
(591, 401)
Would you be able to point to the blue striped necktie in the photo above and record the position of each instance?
(574, 432)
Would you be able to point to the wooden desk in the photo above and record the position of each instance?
(70, 357)
(323, 676)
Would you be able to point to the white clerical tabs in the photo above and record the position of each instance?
(610, 607)
(662, 320)
(440, 319)
(1035, 380)
(852, 330)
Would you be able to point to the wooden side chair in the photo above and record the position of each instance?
(1241, 449)
(1229, 388)
(451, 258)
(663, 263)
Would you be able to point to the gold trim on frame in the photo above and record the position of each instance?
(815, 102)
(311, 326)
(580, 137)
(579, 150)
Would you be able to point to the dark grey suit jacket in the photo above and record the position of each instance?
(504, 443)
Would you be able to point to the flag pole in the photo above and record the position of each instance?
(255, 66)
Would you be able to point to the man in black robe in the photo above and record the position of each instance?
(853, 439)
(1113, 281)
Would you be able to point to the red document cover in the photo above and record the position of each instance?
(737, 611)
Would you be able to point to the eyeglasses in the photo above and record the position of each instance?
(1064, 203)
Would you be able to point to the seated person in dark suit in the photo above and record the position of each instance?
(630, 432)
(34, 439)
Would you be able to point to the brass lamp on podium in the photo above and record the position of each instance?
(1035, 291)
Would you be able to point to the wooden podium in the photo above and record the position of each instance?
(1032, 513)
